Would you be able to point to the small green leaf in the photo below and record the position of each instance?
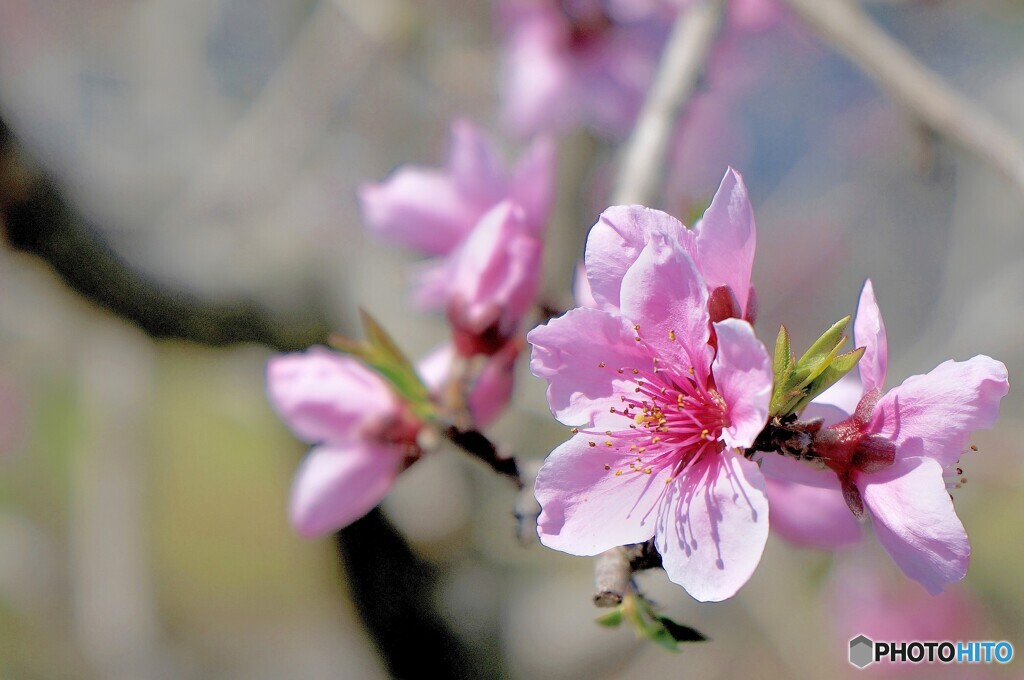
(380, 353)
(681, 633)
(783, 354)
(612, 618)
(824, 348)
(839, 367)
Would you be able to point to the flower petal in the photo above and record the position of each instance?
(743, 375)
(615, 243)
(934, 415)
(726, 238)
(326, 397)
(534, 182)
(713, 526)
(420, 208)
(811, 516)
(496, 272)
(915, 522)
(663, 294)
(476, 168)
(569, 352)
(586, 506)
(869, 332)
(777, 466)
(337, 485)
(837, 402)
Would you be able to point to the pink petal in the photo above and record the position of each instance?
(915, 522)
(726, 238)
(581, 288)
(743, 375)
(663, 294)
(615, 243)
(534, 181)
(811, 516)
(496, 273)
(837, 402)
(326, 397)
(418, 208)
(776, 466)
(493, 387)
(569, 352)
(934, 415)
(587, 509)
(475, 165)
(336, 485)
(869, 332)
(713, 526)
(432, 280)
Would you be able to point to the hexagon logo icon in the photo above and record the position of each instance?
(862, 651)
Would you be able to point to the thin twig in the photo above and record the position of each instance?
(480, 447)
(614, 569)
(682, 63)
(843, 25)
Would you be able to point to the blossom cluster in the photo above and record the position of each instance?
(669, 393)
(688, 434)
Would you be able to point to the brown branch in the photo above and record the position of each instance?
(844, 26)
(38, 220)
(477, 445)
(614, 569)
(682, 64)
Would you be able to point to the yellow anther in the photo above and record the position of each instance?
(618, 473)
(672, 335)
(647, 471)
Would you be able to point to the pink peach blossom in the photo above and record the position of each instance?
(721, 245)
(433, 210)
(491, 281)
(887, 458)
(659, 420)
(362, 434)
(569, 63)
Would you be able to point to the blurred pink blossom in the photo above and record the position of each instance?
(362, 434)
(659, 416)
(569, 63)
(490, 282)
(887, 458)
(433, 210)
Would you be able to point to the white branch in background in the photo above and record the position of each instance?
(843, 25)
(682, 63)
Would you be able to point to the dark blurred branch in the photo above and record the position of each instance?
(843, 25)
(38, 220)
(391, 586)
(393, 591)
(682, 64)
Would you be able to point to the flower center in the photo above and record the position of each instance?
(669, 422)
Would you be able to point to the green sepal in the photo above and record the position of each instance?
(380, 353)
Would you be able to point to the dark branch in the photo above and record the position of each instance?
(479, 446)
(393, 590)
(38, 220)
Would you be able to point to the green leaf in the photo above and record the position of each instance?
(836, 369)
(783, 355)
(612, 618)
(679, 632)
(380, 353)
(824, 349)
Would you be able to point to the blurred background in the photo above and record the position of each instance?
(217, 147)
